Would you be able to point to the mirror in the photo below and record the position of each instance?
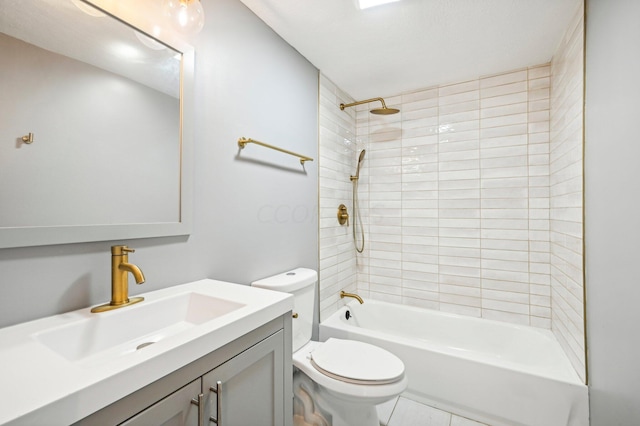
(95, 127)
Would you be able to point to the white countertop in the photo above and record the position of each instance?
(39, 386)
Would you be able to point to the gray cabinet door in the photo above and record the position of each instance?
(251, 387)
(174, 410)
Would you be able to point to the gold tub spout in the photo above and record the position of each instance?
(344, 294)
(120, 269)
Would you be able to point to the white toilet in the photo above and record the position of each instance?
(337, 382)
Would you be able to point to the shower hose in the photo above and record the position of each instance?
(357, 219)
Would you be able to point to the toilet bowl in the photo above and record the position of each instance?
(338, 382)
(378, 388)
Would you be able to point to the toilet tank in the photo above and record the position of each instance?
(301, 283)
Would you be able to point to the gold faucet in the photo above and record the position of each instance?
(120, 268)
(344, 294)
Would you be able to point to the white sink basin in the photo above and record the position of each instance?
(102, 337)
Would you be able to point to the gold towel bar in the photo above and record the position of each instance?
(244, 141)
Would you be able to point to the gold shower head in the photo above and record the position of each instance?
(384, 111)
(379, 111)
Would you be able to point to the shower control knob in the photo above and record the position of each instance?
(343, 215)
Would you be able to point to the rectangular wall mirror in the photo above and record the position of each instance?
(95, 129)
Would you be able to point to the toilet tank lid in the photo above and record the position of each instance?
(288, 281)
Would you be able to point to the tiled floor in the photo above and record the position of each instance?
(405, 412)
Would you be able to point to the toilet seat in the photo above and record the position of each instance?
(371, 392)
(356, 362)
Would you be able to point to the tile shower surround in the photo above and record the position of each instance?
(471, 197)
(459, 199)
(445, 198)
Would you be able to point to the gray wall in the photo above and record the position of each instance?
(612, 187)
(252, 218)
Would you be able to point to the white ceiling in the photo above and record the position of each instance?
(414, 44)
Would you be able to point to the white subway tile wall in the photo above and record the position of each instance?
(458, 189)
(566, 172)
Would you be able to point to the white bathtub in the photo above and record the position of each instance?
(489, 371)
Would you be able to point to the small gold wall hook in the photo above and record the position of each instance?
(28, 138)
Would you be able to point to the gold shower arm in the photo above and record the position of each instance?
(242, 142)
(343, 106)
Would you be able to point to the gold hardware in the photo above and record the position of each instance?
(295, 315)
(355, 178)
(242, 142)
(28, 138)
(380, 111)
(120, 269)
(343, 215)
(344, 294)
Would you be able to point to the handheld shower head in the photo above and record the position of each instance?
(360, 158)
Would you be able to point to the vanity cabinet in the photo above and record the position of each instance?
(246, 382)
